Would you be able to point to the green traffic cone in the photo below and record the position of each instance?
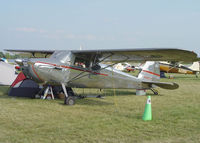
(147, 111)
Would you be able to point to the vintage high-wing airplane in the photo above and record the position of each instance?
(84, 68)
(179, 68)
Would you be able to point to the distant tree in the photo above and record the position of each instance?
(11, 56)
(7, 56)
(20, 55)
(2, 55)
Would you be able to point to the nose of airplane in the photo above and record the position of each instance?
(27, 67)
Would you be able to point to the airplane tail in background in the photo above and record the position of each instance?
(150, 75)
(150, 71)
(195, 66)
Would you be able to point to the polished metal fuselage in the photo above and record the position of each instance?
(55, 71)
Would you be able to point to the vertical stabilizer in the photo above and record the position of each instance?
(195, 66)
(150, 71)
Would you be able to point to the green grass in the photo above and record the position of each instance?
(117, 119)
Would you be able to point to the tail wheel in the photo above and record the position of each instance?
(155, 91)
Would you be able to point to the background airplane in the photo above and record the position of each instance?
(168, 67)
(179, 68)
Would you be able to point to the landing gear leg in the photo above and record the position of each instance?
(197, 74)
(155, 92)
(69, 99)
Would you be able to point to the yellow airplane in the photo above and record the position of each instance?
(179, 68)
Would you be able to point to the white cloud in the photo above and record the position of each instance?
(61, 34)
(60, 31)
(82, 37)
(31, 30)
(70, 36)
(42, 31)
(26, 29)
(90, 37)
(51, 36)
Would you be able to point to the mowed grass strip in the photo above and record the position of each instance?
(116, 118)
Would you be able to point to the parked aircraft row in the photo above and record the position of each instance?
(180, 68)
(167, 67)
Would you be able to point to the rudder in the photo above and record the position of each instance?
(150, 71)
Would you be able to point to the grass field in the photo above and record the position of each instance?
(114, 119)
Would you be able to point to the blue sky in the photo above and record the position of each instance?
(100, 24)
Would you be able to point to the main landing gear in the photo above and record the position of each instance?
(69, 95)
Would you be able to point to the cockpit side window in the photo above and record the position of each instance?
(86, 64)
(81, 63)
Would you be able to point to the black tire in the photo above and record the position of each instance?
(69, 100)
(155, 93)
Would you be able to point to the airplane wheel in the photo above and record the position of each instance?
(69, 100)
(155, 93)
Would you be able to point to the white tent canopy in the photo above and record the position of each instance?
(7, 73)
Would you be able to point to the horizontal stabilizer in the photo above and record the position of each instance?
(165, 85)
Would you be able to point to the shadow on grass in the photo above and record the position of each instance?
(151, 94)
(15, 97)
(91, 102)
(108, 92)
(117, 93)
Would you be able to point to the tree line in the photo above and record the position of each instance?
(22, 55)
(12, 56)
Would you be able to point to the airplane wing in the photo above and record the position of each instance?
(129, 55)
(126, 55)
